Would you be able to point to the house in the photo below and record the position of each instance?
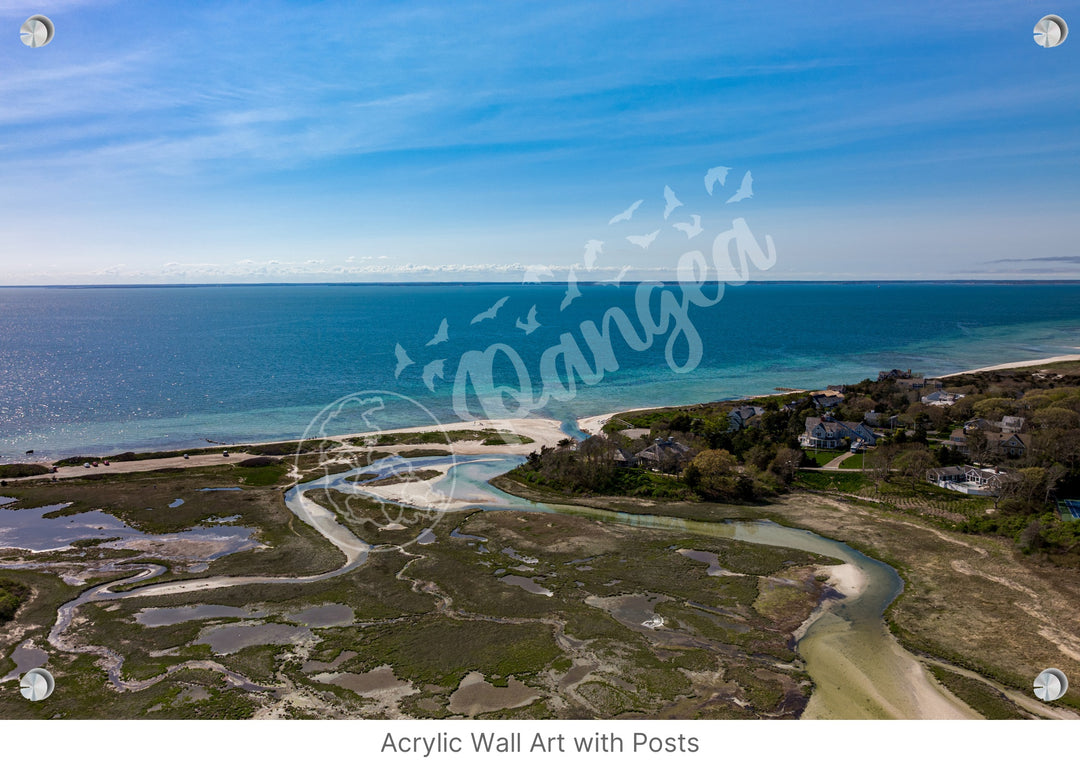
(1011, 424)
(1003, 444)
(980, 424)
(918, 383)
(744, 417)
(827, 433)
(872, 418)
(941, 398)
(621, 458)
(665, 455)
(893, 374)
(827, 399)
(1010, 444)
(968, 479)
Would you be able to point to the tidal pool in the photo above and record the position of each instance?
(329, 615)
(230, 638)
(159, 617)
(26, 656)
(527, 584)
(710, 559)
(32, 528)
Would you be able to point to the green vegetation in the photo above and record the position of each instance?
(19, 470)
(820, 457)
(978, 695)
(425, 453)
(421, 474)
(278, 448)
(264, 474)
(12, 595)
(855, 462)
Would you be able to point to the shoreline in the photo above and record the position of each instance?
(543, 431)
(1016, 365)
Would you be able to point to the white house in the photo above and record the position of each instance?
(941, 398)
(967, 479)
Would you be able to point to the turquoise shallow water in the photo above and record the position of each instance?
(111, 369)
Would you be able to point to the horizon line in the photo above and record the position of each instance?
(317, 283)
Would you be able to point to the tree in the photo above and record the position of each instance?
(978, 445)
(714, 474)
(760, 455)
(994, 408)
(914, 463)
(1056, 418)
(596, 463)
(786, 463)
(879, 463)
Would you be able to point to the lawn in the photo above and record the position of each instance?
(823, 456)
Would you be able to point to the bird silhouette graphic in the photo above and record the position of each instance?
(670, 201)
(572, 291)
(490, 312)
(714, 176)
(593, 248)
(433, 370)
(530, 323)
(617, 280)
(535, 272)
(746, 189)
(691, 229)
(626, 214)
(643, 240)
(441, 335)
(403, 360)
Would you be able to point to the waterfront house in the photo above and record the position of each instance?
(829, 433)
(665, 455)
(893, 374)
(827, 399)
(918, 383)
(745, 416)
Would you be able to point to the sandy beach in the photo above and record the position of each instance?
(594, 424)
(1017, 365)
(543, 432)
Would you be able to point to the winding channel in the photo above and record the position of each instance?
(858, 668)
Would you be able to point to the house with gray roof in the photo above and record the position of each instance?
(828, 433)
(745, 416)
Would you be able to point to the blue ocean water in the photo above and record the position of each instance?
(106, 370)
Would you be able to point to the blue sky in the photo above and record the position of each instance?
(360, 141)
